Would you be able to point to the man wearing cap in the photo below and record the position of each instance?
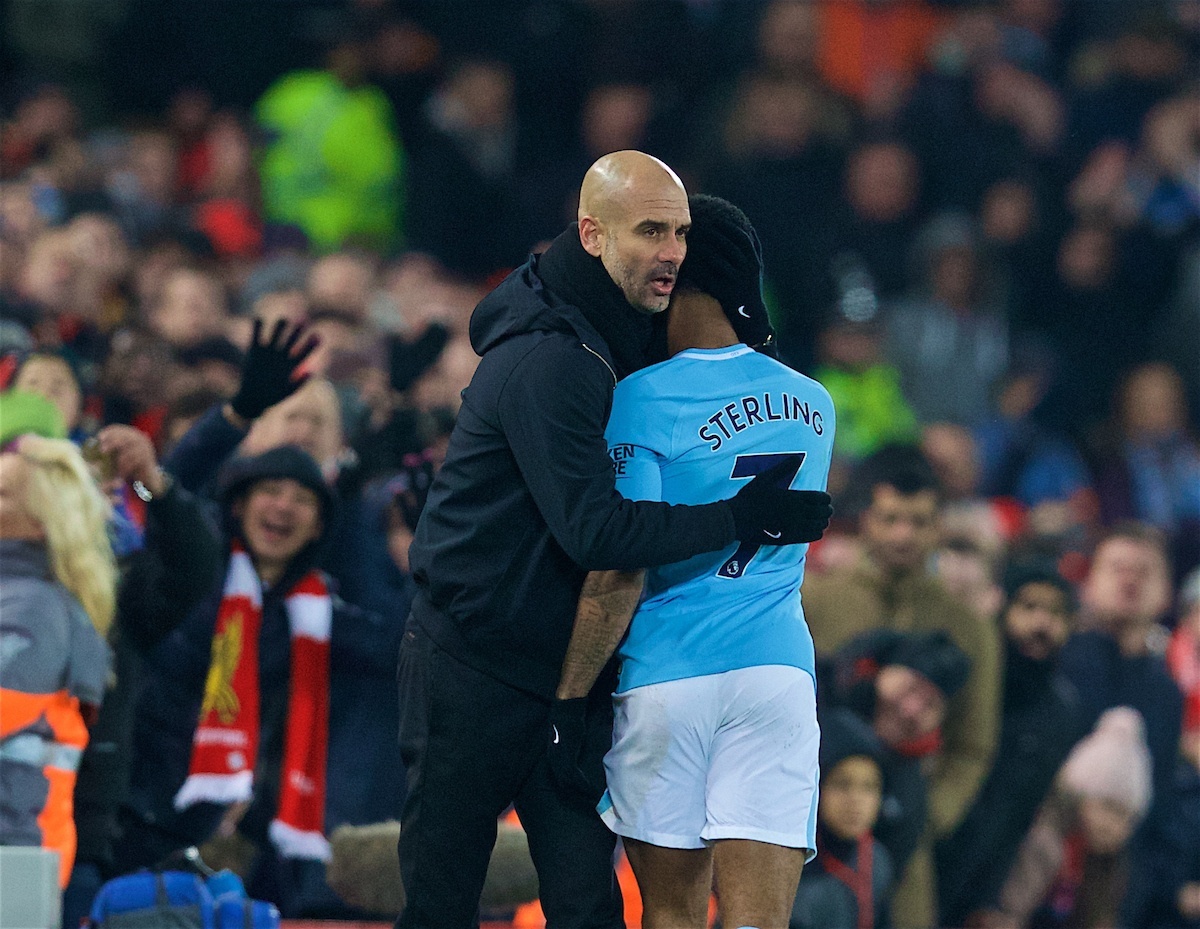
(713, 766)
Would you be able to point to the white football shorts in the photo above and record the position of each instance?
(724, 756)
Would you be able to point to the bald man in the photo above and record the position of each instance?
(523, 507)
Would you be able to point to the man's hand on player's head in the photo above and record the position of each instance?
(766, 514)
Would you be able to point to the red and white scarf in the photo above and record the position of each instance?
(225, 746)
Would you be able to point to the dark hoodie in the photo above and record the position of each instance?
(526, 503)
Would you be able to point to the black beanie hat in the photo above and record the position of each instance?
(933, 655)
(724, 260)
(286, 461)
(1036, 571)
(844, 734)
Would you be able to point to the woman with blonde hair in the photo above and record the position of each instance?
(57, 599)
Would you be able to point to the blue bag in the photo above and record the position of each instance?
(145, 900)
(179, 900)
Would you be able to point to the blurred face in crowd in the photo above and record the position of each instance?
(310, 418)
(191, 308)
(279, 517)
(51, 271)
(1038, 620)
(908, 705)
(615, 117)
(850, 797)
(1129, 583)
(16, 521)
(140, 368)
(634, 217)
(954, 457)
(1085, 257)
(900, 530)
(100, 246)
(1107, 825)
(53, 379)
(341, 283)
(1152, 404)
(881, 182)
(788, 35)
(966, 573)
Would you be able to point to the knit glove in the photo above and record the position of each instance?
(269, 369)
(765, 512)
(564, 751)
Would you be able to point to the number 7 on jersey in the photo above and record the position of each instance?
(744, 468)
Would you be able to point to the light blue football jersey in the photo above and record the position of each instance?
(695, 429)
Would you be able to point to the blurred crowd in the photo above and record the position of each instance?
(239, 249)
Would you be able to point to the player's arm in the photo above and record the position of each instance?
(606, 605)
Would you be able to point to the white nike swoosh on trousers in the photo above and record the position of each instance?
(742, 311)
(773, 535)
(555, 728)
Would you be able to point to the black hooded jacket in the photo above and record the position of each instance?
(526, 503)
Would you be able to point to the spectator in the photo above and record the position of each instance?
(50, 375)
(56, 604)
(1025, 461)
(776, 155)
(1183, 660)
(873, 52)
(1114, 660)
(1041, 722)
(191, 308)
(899, 683)
(464, 209)
(160, 583)
(947, 336)
(226, 670)
(1152, 472)
(890, 588)
(848, 885)
(872, 410)
(332, 164)
(1071, 869)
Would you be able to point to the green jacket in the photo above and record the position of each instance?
(332, 163)
(871, 409)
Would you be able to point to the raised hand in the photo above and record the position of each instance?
(269, 369)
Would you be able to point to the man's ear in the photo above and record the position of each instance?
(591, 236)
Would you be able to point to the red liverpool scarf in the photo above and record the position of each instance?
(225, 746)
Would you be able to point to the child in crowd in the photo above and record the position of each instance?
(848, 884)
(1072, 867)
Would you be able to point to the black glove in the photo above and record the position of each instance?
(567, 737)
(268, 371)
(765, 512)
(407, 361)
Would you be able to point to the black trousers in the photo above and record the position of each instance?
(472, 746)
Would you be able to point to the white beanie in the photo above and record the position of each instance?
(1112, 763)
